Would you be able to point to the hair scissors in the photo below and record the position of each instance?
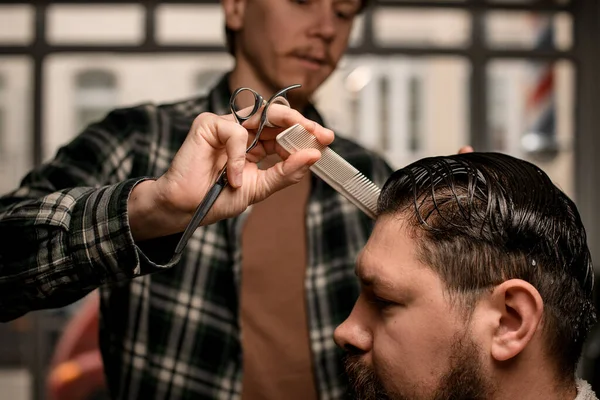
(221, 182)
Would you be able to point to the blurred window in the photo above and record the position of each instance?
(421, 27)
(190, 24)
(384, 113)
(96, 94)
(17, 24)
(498, 107)
(528, 31)
(95, 24)
(415, 113)
(206, 79)
(3, 144)
(403, 107)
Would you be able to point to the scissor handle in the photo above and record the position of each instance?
(276, 100)
(278, 97)
(258, 102)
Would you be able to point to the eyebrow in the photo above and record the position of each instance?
(356, 3)
(365, 280)
(370, 280)
(373, 281)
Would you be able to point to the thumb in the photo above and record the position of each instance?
(286, 173)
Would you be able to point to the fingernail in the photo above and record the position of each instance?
(237, 179)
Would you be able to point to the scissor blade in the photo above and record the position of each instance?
(203, 209)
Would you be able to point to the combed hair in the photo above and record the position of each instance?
(484, 218)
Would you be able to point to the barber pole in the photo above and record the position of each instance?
(540, 108)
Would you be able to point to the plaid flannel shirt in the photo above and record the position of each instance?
(169, 327)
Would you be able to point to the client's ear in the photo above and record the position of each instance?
(520, 309)
(234, 13)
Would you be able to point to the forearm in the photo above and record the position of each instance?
(58, 248)
(149, 217)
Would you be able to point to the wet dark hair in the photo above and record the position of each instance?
(484, 218)
(230, 34)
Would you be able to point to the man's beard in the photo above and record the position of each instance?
(364, 384)
(464, 379)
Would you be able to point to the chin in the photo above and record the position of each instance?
(310, 80)
(302, 93)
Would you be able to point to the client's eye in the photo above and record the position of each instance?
(344, 15)
(381, 303)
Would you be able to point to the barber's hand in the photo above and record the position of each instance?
(165, 206)
(465, 149)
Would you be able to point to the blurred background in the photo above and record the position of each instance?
(421, 78)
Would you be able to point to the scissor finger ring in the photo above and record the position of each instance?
(279, 100)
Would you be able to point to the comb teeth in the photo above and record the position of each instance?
(334, 169)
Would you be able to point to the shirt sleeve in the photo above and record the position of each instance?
(65, 231)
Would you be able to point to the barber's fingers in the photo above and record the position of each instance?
(283, 117)
(272, 146)
(220, 132)
(266, 148)
(241, 112)
(258, 153)
(465, 149)
(285, 173)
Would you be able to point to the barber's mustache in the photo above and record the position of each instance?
(319, 54)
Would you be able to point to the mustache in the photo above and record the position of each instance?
(364, 384)
(310, 51)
